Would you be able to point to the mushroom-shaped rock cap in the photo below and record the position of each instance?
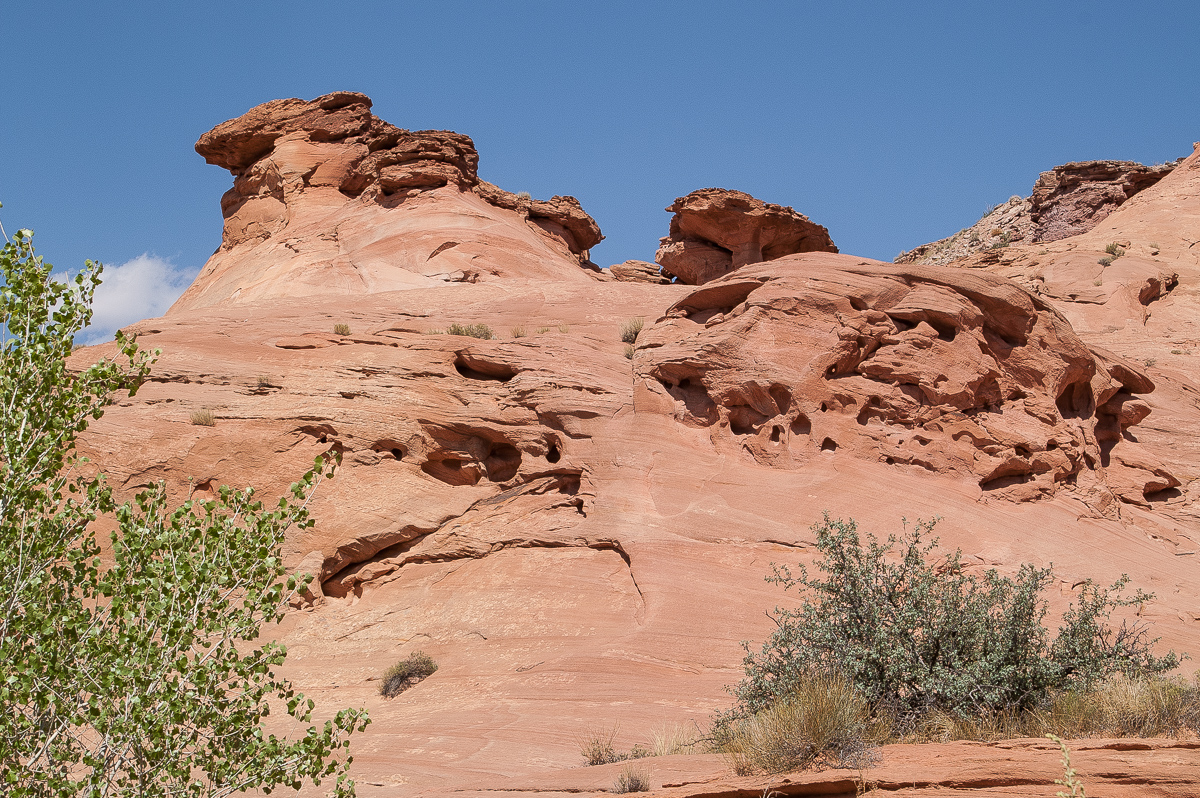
(716, 230)
(238, 143)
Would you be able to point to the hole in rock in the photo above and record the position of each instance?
(474, 368)
(685, 383)
(553, 455)
(1020, 451)
(870, 410)
(889, 460)
(1051, 445)
(744, 420)
(776, 433)
(828, 445)
(801, 425)
(782, 398)
(1075, 400)
(1005, 481)
(452, 472)
(399, 455)
(832, 370)
(858, 303)
(502, 463)
(1163, 495)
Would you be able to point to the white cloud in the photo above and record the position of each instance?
(142, 288)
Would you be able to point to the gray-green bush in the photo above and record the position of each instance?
(472, 330)
(914, 632)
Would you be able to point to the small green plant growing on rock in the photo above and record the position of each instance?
(1069, 780)
(629, 351)
(471, 330)
(203, 418)
(1105, 261)
(341, 329)
(631, 779)
(406, 673)
(1115, 249)
(630, 330)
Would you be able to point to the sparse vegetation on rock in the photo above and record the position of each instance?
(630, 330)
(406, 673)
(631, 779)
(471, 330)
(341, 329)
(203, 418)
(914, 632)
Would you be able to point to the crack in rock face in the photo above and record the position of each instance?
(949, 371)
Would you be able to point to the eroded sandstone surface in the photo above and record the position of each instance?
(579, 538)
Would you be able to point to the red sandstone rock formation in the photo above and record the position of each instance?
(355, 205)
(715, 231)
(580, 540)
(1066, 201)
(1075, 197)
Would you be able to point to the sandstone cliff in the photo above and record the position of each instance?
(578, 537)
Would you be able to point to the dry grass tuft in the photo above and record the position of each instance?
(630, 329)
(518, 332)
(676, 738)
(631, 779)
(824, 722)
(203, 418)
(406, 673)
(481, 331)
(596, 746)
(341, 329)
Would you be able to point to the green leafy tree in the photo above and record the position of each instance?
(139, 677)
(914, 631)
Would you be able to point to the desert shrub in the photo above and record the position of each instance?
(518, 332)
(564, 328)
(913, 632)
(631, 779)
(541, 330)
(472, 330)
(341, 329)
(823, 720)
(524, 195)
(1003, 241)
(203, 418)
(629, 351)
(596, 747)
(1105, 261)
(630, 329)
(1115, 250)
(406, 673)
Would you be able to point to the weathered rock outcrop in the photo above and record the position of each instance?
(638, 271)
(356, 205)
(715, 231)
(1075, 197)
(939, 369)
(1066, 201)
(579, 538)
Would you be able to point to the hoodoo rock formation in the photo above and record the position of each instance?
(355, 205)
(578, 533)
(715, 231)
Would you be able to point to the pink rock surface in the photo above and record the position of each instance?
(580, 539)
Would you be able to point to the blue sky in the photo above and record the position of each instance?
(891, 123)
